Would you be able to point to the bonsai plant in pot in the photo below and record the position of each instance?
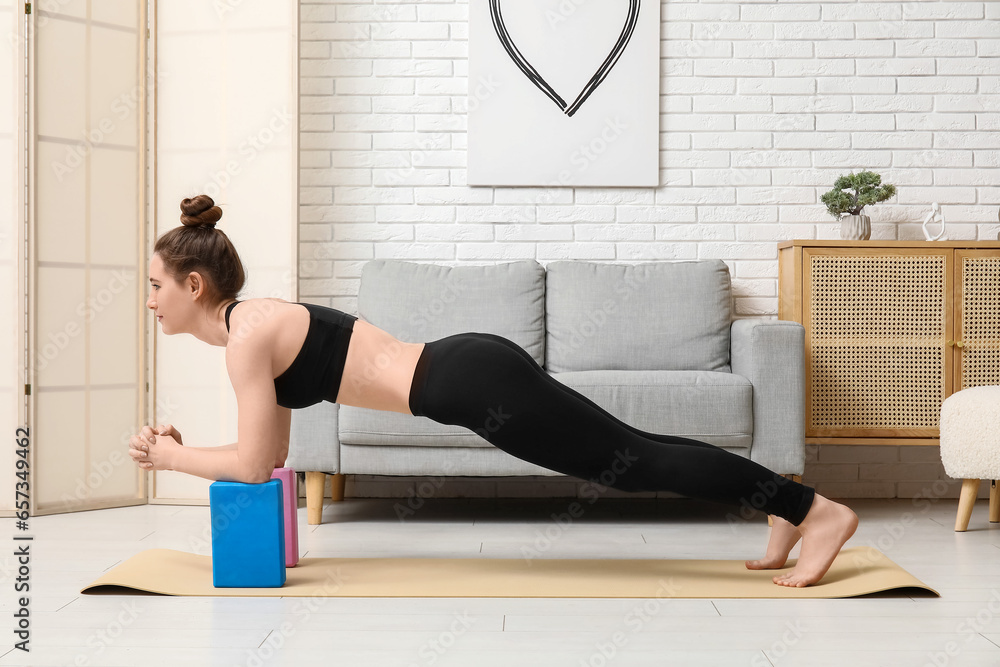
(848, 198)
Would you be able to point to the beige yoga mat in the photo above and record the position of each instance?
(856, 571)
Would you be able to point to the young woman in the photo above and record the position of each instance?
(282, 355)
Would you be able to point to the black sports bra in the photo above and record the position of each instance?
(316, 371)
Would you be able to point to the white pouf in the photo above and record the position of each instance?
(970, 445)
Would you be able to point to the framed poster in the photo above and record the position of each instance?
(564, 93)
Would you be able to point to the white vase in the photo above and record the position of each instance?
(855, 228)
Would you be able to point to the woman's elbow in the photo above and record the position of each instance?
(260, 475)
(255, 473)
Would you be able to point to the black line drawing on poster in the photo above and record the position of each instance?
(536, 78)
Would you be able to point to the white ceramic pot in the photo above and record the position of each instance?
(855, 228)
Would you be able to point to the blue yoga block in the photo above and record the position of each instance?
(248, 534)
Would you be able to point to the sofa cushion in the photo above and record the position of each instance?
(713, 407)
(363, 426)
(418, 303)
(420, 461)
(652, 316)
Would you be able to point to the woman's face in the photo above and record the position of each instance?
(167, 299)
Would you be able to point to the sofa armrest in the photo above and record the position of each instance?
(313, 442)
(771, 354)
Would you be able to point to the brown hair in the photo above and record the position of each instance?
(198, 246)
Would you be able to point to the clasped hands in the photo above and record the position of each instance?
(153, 450)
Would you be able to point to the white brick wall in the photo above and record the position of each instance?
(763, 105)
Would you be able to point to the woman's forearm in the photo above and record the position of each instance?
(215, 463)
(279, 460)
(222, 448)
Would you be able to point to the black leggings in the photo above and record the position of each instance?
(493, 387)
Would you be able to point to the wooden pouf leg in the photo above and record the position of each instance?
(994, 501)
(315, 487)
(970, 489)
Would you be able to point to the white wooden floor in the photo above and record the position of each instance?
(889, 629)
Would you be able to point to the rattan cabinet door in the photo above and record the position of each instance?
(976, 347)
(877, 323)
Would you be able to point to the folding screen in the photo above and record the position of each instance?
(85, 185)
(12, 404)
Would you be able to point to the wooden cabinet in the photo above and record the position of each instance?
(892, 329)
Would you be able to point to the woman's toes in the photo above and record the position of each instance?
(765, 563)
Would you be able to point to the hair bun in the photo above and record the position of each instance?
(200, 211)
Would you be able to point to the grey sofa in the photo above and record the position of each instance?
(654, 343)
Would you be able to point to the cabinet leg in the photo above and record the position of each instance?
(337, 483)
(994, 501)
(315, 487)
(970, 489)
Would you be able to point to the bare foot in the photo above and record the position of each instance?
(784, 535)
(824, 530)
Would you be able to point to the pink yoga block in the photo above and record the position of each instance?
(290, 502)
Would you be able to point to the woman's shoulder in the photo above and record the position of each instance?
(265, 304)
(261, 318)
(282, 312)
(265, 331)
(260, 299)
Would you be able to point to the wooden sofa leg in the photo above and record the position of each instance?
(970, 489)
(994, 501)
(315, 488)
(337, 483)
